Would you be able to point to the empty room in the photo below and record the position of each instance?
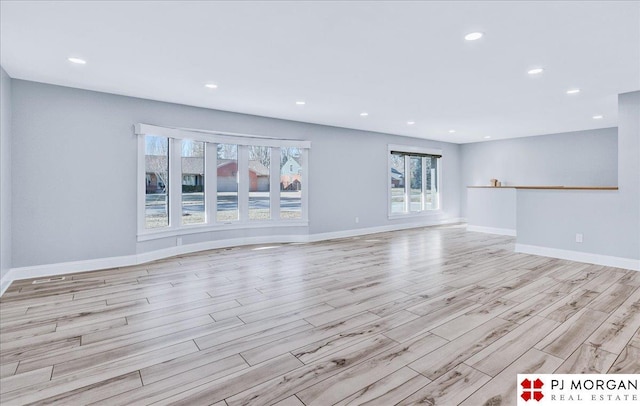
(320, 203)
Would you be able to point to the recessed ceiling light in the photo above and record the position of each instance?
(452, 131)
(573, 91)
(472, 36)
(535, 71)
(301, 103)
(486, 137)
(598, 117)
(411, 122)
(364, 114)
(211, 86)
(77, 61)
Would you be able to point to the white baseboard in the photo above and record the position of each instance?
(62, 268)
(492, 230)
(374, 230)
(616, 262)
(5, 283)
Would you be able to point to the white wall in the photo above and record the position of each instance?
(5, 173)
(75, 153)
(608, 220)
(582, 158)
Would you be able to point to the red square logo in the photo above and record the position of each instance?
(532, 390)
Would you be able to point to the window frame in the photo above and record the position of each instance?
(409, 150)
(211, 140)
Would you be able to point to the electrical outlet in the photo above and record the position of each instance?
(579, 237)
(178, 241)
(357, 220)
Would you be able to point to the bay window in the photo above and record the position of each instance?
(198, 181)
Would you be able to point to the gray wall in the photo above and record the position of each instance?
(583, 158)
(5, 172)
(366, 194)
(75, 153)
(609, 220)
(492, 207)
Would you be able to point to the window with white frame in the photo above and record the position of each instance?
(227, 185)
(259, 182)
(193, 181)
(291, 183)
(414, 176)
(193, 193)
(156, 161)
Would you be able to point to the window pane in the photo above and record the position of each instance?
(397, 184)
(431, 187)
(259, 183)
(193, 182)
(156, 210)
(291, 183)
(416, 183)
(227, 171)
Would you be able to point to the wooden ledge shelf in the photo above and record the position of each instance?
(548, 187)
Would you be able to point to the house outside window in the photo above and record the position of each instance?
(291, 183)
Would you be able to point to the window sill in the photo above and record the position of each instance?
(416, 214)
(207, 228)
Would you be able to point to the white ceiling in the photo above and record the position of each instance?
(398, 61)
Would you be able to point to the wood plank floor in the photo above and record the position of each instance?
(436, 316)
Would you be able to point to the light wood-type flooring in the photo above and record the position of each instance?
(436, 316)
